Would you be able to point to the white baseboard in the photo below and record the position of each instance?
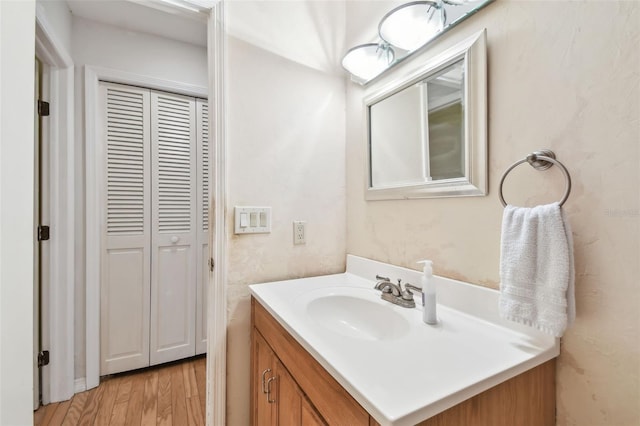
(80, 385)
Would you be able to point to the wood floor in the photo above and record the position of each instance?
(167, 395)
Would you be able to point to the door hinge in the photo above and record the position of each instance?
(43, 358)
(211, 264)
(43, 233)
(43, 108)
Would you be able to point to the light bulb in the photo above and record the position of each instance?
(366, 61)
(411, 25)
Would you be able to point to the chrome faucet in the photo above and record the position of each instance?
(394, 293)
(386, 286)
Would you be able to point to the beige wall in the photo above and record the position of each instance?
(562, 75)
(285, 136)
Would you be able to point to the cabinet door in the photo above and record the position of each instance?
(309, 415)
(263, 364)
(331, 400)
(276, 399)
(288, 397)
(125, 251)
(292, 406)
(173, 239)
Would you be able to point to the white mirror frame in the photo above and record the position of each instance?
(473, 52)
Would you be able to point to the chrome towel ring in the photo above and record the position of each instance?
(540, 160)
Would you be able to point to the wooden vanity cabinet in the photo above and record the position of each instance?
(304, 393)
(277, 399)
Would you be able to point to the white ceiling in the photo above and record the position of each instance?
(145, 17)
(311, 33)
(308, 32)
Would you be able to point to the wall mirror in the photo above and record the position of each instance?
(426, 129)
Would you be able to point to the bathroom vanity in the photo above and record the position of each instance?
(328, 350)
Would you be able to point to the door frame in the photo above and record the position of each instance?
(58, 298)
(218, 237)
(94, 193)
(39, 275)
(217, 300)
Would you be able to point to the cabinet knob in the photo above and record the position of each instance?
(174, 239)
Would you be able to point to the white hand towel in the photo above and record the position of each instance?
(536, 268)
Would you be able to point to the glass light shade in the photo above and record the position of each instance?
(412, 25)
(367, 60)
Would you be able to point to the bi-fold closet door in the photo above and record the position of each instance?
(155, 233)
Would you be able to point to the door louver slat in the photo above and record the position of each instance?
(125, 162)
(204, 120)
(174, 165)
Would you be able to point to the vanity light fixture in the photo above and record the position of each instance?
(404, 30)
(366, 61)
(411, 25)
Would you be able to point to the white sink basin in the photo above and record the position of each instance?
(354, 313)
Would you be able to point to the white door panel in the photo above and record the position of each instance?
(125, 312)
(173, 300)
(173, 242)
(203, 161)
(201, 300)
(125, 283)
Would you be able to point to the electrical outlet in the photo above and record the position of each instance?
(299, 232)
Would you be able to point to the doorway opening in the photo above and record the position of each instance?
(67, 174)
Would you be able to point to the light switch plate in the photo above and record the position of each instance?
(252, 220)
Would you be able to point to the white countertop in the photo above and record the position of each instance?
(425, 370)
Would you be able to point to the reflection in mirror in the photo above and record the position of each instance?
(430, 112)
(427, 127)
(445, 123)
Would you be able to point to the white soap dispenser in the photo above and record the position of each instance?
(428, 294)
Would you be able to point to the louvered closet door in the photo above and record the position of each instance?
(125, 283)
(202, 119)
(173, 243)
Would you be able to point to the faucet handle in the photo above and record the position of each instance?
(412, 287)
(383, 284)
(407, 294)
